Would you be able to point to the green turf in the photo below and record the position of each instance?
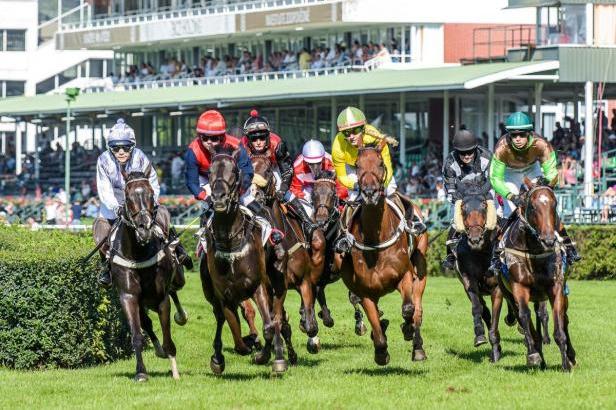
(343, 374)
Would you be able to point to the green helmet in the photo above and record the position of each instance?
(350, 117)
(518, 121)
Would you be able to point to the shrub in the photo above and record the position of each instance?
(52, 313)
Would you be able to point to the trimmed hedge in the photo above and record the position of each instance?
(595, 243)
(52, 313)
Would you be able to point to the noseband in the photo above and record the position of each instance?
(332, 213)
(365, 173)
(128, 218)
(529, 206)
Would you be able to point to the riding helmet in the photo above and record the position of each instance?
(121, 134)
(350, 117)
(257, 126)
(313, 152)
(464, 140)
(518, 121)
(211, 122)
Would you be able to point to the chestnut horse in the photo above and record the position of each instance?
(143, 268)
(382, 258)
(305, 257)
(233, 269)
(535, 271)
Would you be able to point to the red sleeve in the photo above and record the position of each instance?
(341, 190)
(297, 188)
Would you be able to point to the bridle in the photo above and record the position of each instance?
(528, 206)
(332, 212)
(231, 187)
(480, 199)
(267, 190)
(128, 218)
(366, 173)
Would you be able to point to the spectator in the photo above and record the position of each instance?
(177, 170)
(76, 210)
(441, 194)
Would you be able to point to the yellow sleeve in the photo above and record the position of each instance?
(388, 166)
(340, 163)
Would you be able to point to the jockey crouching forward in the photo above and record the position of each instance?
(522, 153)
(467, 162)
(307, 168)
(212, 135)
(353, 128)
(123, 156)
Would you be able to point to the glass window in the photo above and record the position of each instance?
(46, 85)
(15, 88)
(96, 68)
(573, 24)
(16, 40)
(67, 75)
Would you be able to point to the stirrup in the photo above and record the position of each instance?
(342, 245)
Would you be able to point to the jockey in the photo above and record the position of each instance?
(306, 169)
(212, 134)
(467, 162)
(122, 155)
(352, 126)
(522, 153)
(259, 139)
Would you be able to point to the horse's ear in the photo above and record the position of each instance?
(236, 154)
(382, 145)
(528, 182)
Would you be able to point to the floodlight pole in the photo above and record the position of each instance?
(67, 160)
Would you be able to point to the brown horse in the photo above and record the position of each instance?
(536, 271)
(233, 269)
(306, 257)
(143, 268)
(382, 258)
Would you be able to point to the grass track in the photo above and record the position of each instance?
(343, 374)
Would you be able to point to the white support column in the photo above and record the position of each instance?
(402, 130)
(456, 113)
(538, 122)
(4, 143)
(590, 23)
(588, 145)
(179, 131)
(37, 165)
(333, 114)
(362, 102)
(445, 124)
(490, 117)
(18, 125)
(154, 131)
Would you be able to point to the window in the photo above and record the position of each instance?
(46, 85)
(14, 88)
(15, 40)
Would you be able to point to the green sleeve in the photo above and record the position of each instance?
(497, 177)
(549, 168)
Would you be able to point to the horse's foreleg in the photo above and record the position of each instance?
(180, 317)
(560, 335)
(164, 315)
(542, 317)
(381, 356)
(419, 285)
(233, 320)
(130, 306)
(570, 349)
(306, 290)
(360, 328)
(497, 303)
(260, 299)
(325, 313)
(248, 313)
(477, 308)
(405, 287)
(286, 334)
(522, 297)
(217, 361)
(146, 324)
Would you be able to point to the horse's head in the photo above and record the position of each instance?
(264, 177)
(224, 178)
(324, 198)
(475, 214)
(139, 205)
(371, 172)
(539, 211)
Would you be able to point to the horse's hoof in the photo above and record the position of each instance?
(242, 351)
(180, 317)
(546, 340)
(292, 357)
(328, 321)
(510, 320)
(141, 377)
(158, 350)
(279, 366)
(381, 358)
(419, 355)
(217, 366)
(534, 360)
(480, 340)
(313, 345)
(360, 329)
(407, 331)
(261, 358)
(495, 354)
(302, 328)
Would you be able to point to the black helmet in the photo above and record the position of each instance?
(257, 127)
(464, 140)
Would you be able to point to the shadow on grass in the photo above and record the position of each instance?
(307, 361)
(155, 374)
(477, 356)
(338, 346)
(387, 371)
(522, 368)
(239, 377)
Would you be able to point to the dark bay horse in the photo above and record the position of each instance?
(234, 268)
(143, 267)
(475, 219)
(536, 271)
(305, 256)
(382, 259)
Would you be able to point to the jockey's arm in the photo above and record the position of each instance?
(105, 189)
(192, 175)
(549, 165)
(388, 165)
(450, 179)
(285, 164)
(246, 169)
(153, 177)
(296, 190)
(497, 177)
(348, 181)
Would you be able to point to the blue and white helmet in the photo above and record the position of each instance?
(121, 134)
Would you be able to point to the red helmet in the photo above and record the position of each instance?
(211, 122)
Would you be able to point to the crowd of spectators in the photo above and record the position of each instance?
(248, 63)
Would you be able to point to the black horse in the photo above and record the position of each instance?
(143, 266)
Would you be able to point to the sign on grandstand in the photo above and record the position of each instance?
(319, 14)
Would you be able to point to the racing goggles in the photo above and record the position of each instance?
(353, 131)
(211, 138)
(258, 136)
(128, 148)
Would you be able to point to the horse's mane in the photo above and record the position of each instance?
(330, 175)
(136, 175)
(470, 188)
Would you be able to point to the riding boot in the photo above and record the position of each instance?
(570, 250)
(262, 215)
(305, 220)
(416, 225)
(104, 275)
(180, 252)
(450, 260)
(342, 244)
(496, 264)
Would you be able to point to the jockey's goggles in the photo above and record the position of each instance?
(520, 134)
(258, 136)
(353, 131)
(211, 138)
(126, 148)
(466, 153)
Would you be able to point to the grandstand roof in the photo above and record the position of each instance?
(377, 81)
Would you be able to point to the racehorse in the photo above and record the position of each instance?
(143, 268)
(233, 269)
(535, 270)
(383, 258)
(305, 257)
(475, 219)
